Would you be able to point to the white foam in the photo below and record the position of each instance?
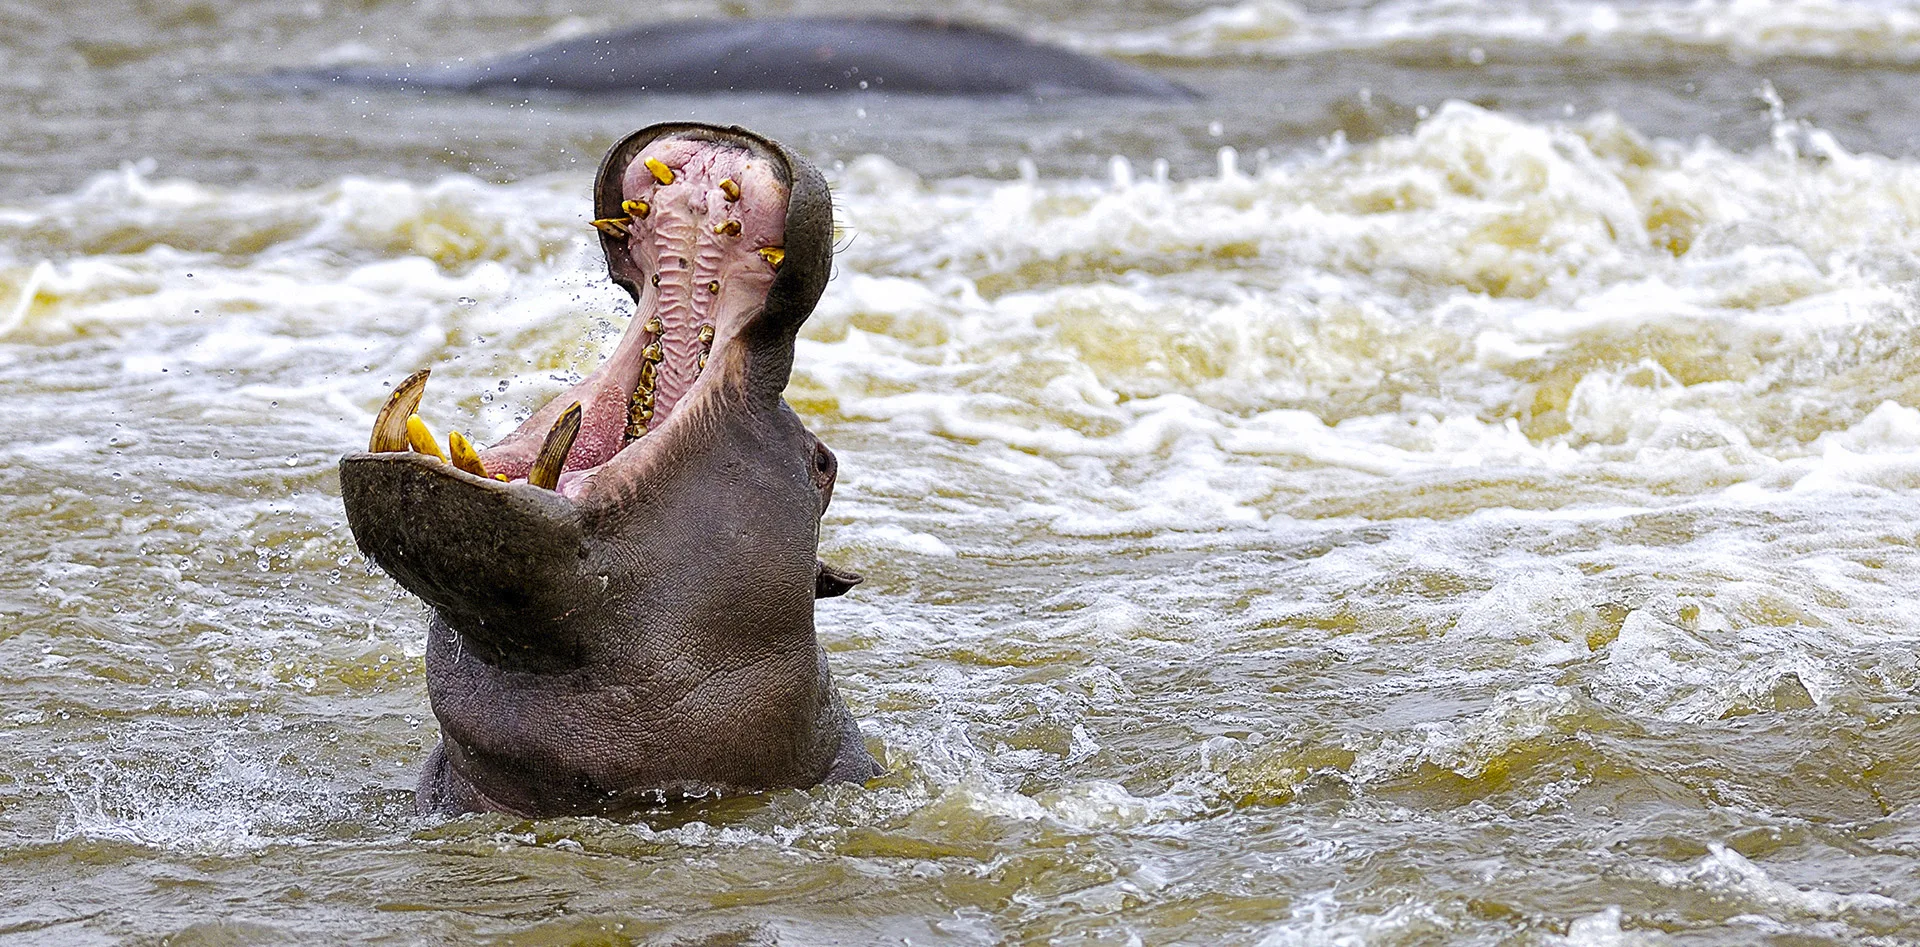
(1878, 32)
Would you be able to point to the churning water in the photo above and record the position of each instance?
(1459, 482)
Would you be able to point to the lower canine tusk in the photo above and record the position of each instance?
(390, 426)
(553, 451)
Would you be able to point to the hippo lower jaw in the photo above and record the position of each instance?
(623, 587)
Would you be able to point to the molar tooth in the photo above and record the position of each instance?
(553, 451)
(461, 452)
(706, 335)
(731, 228)
(637, 209)
(390, 426)
(652, 353)
(654, 325)
(713, 287)
(730, 189)
(420, 438)
(773, 256)
(661, 172)
(615, 227)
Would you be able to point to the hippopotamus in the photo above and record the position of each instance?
(796, 55)
(622, 589)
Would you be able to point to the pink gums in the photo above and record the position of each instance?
(696, 271)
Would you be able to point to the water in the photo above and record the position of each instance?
(1454, 484)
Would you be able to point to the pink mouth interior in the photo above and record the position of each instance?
(697, 252)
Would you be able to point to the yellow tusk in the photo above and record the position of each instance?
(553, 451)
(730, 189)
(661, 172)
(390, 426)
(461, 451)
(615, 227)
(420, 438)
(639, 209)
(773, 256)
(731, 228)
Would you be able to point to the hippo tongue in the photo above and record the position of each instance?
(703, 229)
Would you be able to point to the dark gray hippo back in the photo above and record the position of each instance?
(818, 55)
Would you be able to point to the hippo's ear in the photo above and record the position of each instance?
(830, 582)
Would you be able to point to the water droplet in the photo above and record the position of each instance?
(293, 461)
(467, 301)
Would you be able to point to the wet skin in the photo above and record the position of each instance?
(622, 589)
(798, 55)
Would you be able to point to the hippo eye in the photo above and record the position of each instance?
(820, 461)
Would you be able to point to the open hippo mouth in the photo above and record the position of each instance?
(623, 587)
(698, 235)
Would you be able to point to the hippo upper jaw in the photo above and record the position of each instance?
(623, 587)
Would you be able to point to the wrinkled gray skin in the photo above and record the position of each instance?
(805, 55)
(654, 638)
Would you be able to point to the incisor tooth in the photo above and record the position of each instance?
(553, 451)
(390, 426)
(461, 451)
(615, 227)
(661, 172)
(773, 256)
(731, 228)
(638, 209)
(420, 438)
(730, 189)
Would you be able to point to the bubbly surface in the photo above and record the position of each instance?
(1483, 525)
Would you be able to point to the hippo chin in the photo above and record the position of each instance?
(622, 589)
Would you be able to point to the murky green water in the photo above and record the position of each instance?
(1455, 484)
